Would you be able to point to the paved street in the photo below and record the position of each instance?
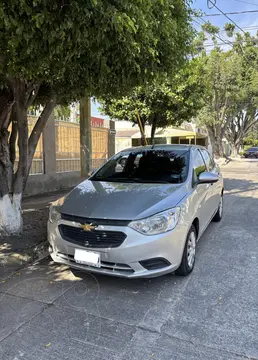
(48, 313)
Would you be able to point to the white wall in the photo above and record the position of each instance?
(126, 125)
(123, 143)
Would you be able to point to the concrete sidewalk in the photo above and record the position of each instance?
(17, 251)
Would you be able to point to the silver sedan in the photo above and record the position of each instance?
(142, 218)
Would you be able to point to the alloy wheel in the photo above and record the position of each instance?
(191, 245)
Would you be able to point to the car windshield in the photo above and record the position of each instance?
(253, 149)
(146, 166)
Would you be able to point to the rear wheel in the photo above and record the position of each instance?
(188, 258)
(219, 214)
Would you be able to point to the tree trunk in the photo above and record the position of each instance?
(10, 204)
(153, 130)
(12, 184)
(143, 138)
(37, 131)
(10, 214)
(10, 211)
(234, 150)
(216, 142)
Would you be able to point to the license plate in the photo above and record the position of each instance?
(87, 257)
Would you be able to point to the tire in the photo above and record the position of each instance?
(219, 214)
(188, 261)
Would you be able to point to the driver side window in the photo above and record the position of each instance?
(208, 160)
(198, 166)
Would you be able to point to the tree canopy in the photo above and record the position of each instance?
(230, 97)
(100, 46)
(161, 103)
(54, 52)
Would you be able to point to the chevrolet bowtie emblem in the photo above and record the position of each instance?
(88, 227)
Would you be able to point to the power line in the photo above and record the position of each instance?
(224, 41)
(222, 12)
(230, 13)
(217, 36)
(227, 42)
(246, 2)
(210, 2)
(232, 43)
(247, 29)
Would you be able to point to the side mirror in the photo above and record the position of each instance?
(207, 178)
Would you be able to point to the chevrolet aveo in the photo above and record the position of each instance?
(141, 217)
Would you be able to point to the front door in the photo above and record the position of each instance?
(202, 194)
(215, 189)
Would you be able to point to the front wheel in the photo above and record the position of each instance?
(188, 258)
(219, 214)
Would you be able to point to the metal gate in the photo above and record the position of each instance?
(99, 147)
(68, 146)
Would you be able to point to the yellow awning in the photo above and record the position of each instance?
(170, 132)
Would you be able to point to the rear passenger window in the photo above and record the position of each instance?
(198, 165)
(209, 162)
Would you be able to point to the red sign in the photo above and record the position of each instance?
(97, 122)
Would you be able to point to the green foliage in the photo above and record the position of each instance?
(230, 80)
(221, 75)
(62, 112)
(102, 46)
(230, 29)
(160, 103)
(248, 142)
(210, 29)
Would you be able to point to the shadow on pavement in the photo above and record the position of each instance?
(18, 250)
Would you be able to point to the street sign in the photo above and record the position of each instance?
(112, 132)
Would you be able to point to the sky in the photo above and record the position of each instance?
(247, 21)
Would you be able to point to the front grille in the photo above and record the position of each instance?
(92, 239)
(154, 264)
(83, 220)
(105, 265)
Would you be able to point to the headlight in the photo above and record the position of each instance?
(54, 213)
(157, 224)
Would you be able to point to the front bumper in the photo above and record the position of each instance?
(123, 261)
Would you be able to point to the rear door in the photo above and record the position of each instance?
(214, 189)
(201, 197)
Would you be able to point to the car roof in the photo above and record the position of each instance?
(164, 147)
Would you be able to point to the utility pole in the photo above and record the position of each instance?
(85, 137)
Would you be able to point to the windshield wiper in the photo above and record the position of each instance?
(148, 181)
(127, 180)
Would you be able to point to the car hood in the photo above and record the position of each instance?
(121, 201)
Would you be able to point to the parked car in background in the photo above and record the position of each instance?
(251, 153)
(140, 220)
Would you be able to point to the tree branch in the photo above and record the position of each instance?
(20, 114)
(22, 129)
(33, 94)
(251, 124)
(38, 128)
(12, 142)
(222, 116)
(6, 106)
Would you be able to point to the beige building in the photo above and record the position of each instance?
(128, 135)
